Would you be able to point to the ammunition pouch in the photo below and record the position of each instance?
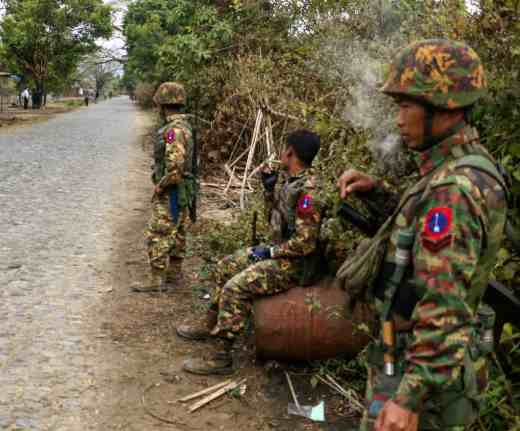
(485, 320)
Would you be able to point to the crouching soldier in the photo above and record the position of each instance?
(295, 212)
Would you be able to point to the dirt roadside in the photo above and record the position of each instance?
(15, 117)
(141, 357)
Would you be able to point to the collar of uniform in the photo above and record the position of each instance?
(302, 173)
(453, 147)
(173, 117)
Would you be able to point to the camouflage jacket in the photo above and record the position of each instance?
(177, 136)
(458, 220)
(295, 210)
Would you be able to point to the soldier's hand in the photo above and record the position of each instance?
(259, 253)
(393, 417)
(355, 181)
(269, 180)
(158, 190)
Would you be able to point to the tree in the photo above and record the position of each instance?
(168, 39)
(96, 72)
(46, 39)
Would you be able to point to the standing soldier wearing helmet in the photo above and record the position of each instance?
(427, 268)
(175, 188)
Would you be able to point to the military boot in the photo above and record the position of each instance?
(155, 282)
(220, 363)
(199, 331)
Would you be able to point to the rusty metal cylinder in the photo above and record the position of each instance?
(308, 323)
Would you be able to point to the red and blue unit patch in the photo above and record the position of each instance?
(305, 205)
(170, 136)
(437, 228)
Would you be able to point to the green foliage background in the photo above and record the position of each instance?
(320, 62)
(43, 41)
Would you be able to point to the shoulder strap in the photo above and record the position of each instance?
(483, 164)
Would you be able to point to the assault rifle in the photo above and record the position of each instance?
(501, 298)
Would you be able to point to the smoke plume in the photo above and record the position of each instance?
(357, 67)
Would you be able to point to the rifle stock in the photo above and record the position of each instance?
(358, 220)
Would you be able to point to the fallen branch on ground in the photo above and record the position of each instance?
(204, 391)
(154, 415)
(222, 391)
(349, 394)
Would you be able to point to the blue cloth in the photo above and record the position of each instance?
(260, 253)
(174, 204)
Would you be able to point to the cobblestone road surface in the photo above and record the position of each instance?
(57, 181)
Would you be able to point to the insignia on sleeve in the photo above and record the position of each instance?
(305, 205)
(170, 136)
(437, 229)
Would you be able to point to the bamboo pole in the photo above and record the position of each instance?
(205, 391)
(217, 394)
(252, 148)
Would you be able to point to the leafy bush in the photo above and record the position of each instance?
(144, 93)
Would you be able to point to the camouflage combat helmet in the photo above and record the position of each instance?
(441, 73)
(170, 93)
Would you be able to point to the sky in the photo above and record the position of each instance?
(116, 43)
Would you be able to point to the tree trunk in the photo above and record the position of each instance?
(38, 94)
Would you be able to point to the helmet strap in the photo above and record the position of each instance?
(430, 140)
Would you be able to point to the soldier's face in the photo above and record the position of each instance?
(410, 121)
(161, 112)
(286, 157)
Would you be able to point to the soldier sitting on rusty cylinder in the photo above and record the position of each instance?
(295, 212)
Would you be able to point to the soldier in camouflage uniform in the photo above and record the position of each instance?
(175, 187)
(428, 266)
(295, 212)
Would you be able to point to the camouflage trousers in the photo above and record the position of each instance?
(239, 282)
(453, 410)
(164, 238)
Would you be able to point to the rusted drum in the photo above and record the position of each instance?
(308, 323)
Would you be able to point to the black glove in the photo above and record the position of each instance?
(260, 253)
(269, 180)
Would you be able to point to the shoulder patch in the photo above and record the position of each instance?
(438, 222)
(170, 136)
(436, 233)
(305, 205)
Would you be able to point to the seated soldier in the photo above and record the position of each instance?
(295, 212)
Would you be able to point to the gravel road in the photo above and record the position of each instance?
(58, 182)
(78, 350)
